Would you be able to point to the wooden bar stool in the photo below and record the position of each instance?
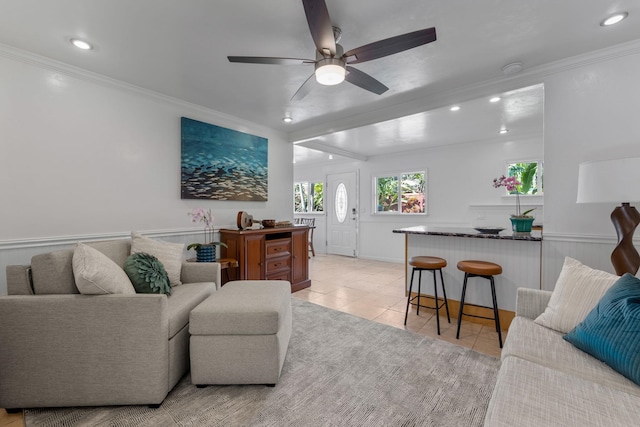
(485, 270)
(431, 264)
(311, 222)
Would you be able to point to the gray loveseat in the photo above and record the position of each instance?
(60, 348)
(546, 381)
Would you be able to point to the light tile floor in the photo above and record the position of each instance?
(374, 290)
(11, 420)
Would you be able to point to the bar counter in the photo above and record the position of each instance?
(519, 254)
(505, 234)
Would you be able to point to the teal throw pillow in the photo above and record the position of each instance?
(147, 274)
(611, 331)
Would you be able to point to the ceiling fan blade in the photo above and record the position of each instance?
(390, 46)
(320, 25)
(269, 60)
(304, 89)
(365, 81)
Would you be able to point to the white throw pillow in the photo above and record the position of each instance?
(169, 254)
(97, 274)
(577, 291)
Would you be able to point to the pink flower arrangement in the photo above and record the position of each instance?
(201, 215)
(511, 184)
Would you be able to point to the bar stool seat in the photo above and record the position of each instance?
(480, 268)
(433, 264)
(486, 270)
(427, 262)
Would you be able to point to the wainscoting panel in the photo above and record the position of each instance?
(19, 252)
(594, 251)
(520, 261)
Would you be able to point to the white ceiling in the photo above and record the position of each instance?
(180, 48)
(519, 112)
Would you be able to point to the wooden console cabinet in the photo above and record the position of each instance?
(279, 253)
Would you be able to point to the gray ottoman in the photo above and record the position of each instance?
(240, 334)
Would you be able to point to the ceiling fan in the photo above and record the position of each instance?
(332, 64)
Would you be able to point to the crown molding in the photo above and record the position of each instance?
(49, 64)
(426, 100)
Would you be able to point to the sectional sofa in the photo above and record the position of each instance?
(59, 347)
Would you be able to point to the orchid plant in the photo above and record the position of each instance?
(202, 215)
(511, 184)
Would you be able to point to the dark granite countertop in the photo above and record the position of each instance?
(506, 234)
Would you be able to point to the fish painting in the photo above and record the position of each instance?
(222, 164)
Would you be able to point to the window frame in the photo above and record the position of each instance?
(398, 176)
(309, 199)
(539, 179)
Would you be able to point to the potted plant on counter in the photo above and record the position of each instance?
(205, 252)
(521, 222)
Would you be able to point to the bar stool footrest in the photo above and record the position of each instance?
(476, 315)
(437, 307)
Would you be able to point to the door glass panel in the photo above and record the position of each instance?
(341, 203)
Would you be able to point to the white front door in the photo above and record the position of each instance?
(342, 218)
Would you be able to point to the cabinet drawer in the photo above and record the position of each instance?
(284, 275)
(278, 264)
(278, 247)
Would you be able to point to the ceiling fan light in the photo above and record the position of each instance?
(330, 72)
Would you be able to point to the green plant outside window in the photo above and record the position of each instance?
(530, 174)
(308, 197)
(403, 193)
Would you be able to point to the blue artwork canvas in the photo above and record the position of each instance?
(222, 164)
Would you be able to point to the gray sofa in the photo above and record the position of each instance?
(546, 381)
(60, 348)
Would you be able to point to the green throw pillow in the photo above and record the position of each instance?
(611, 331)
(147, 274)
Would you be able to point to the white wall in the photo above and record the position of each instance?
(591, 113)
(459, 190)
(85, 157)
(591, 105)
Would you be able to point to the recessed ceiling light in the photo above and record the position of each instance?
(495, 99)
(287, 119)
(81, 44)
(504, 130)
(330, 156)
(455, 108)
(614, 19)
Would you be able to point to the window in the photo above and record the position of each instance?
(529, 174)
(341, 202)
(308, 196)
(403, 193)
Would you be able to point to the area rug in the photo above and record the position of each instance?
(340, 370)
